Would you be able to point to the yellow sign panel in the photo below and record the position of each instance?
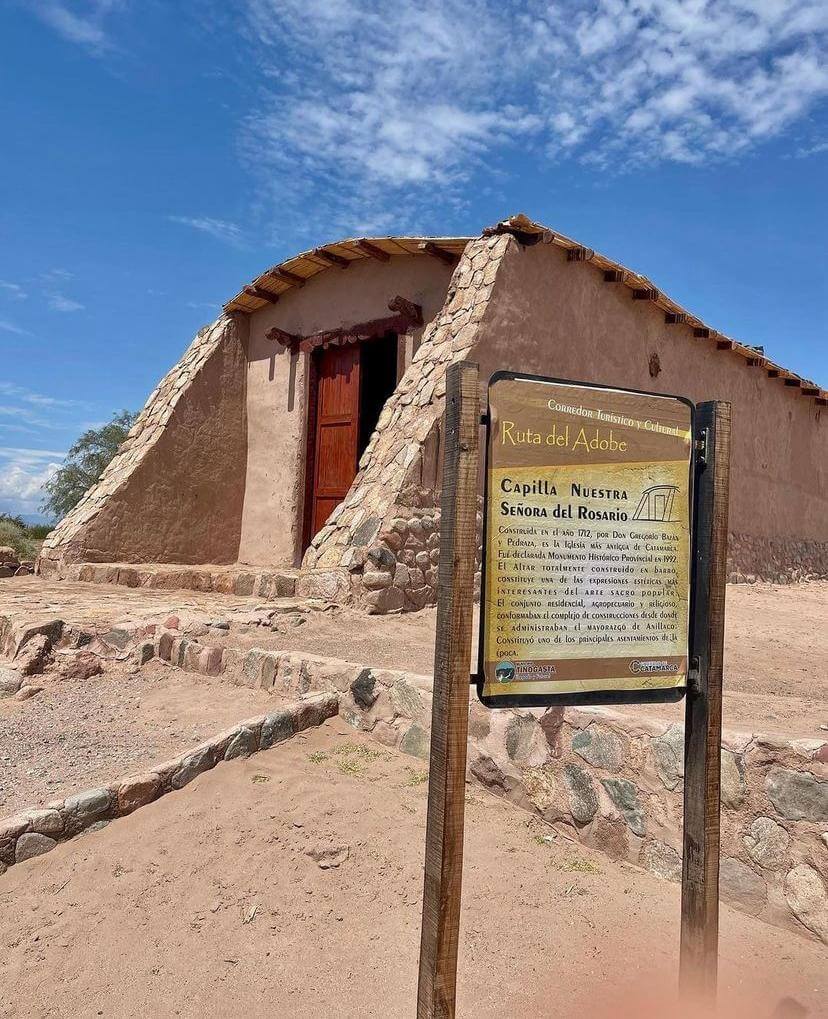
(588, 542)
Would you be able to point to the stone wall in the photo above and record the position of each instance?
(174, 491)
(613, 780)
(35, 832)
(367, 552)
(778, 561)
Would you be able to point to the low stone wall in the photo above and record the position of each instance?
(242, 580)
(34, 832)
(613, 779)
(775, 560)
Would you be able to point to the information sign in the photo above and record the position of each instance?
(588, 538)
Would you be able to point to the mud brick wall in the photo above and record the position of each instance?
(174, 490)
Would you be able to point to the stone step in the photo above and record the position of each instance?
(257, 581)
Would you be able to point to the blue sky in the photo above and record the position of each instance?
(158, 155)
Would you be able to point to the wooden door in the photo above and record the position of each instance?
(337, 430)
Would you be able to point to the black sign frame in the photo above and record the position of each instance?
(665, 695)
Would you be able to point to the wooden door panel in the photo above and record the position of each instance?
(337, 429)
(336, 456)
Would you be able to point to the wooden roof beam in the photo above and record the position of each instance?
(446, 257)
(614, 276)
(702, 333)
(579, 254)
(773, 373)
(794, 382)
(280, 336)
(372, 251)
(332, 258)
(261, 293)
(724, 344)
(810, 390)
(675, 318)
(286, 276)
(645, 294)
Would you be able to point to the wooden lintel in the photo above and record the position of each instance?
(724, 344)
(446, 257)
(580, 255)
(261, 293)
(280, 336)
(794, 382)
(702, 333)
(675, 318)
(614, 275)
(412, 311)
(373, 251)
(288, 276)
(332, 258)
(645, 294)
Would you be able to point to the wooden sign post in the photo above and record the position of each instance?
(450, 712)
(703, 713)
(604, 569)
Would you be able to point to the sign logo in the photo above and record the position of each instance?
(505, 671)
(638, 667)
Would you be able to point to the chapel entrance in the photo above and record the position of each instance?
(352, 383)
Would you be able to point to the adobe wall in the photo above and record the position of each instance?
(271, 532)
(174, 491)
(558, 318)
(528, 308)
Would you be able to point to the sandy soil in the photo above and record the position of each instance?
(211, 902)
(75, 734)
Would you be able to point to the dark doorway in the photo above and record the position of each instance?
(350, 385)
(379, 380)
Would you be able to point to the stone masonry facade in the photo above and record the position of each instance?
(381, 545)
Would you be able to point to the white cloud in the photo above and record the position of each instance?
(10, 327)
(13, 290)
(218, 228)
(59, 302)
(371, 106)
(80, 22)
(23, 472)
(29, 396)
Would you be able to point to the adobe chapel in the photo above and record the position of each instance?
(296, 446)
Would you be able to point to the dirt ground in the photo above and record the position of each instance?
(214, 901)
(776, 649)
(76, 734)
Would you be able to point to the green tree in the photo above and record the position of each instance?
(84, 464)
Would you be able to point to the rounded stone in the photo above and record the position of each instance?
(741, 885)
(807, 898)
(31, 845)
(662, 860)
(137, 791)
(624, 796)
(583, 802)
(797, 795)
(733, 789)
(668, 751)
(599, 747)
(767, 843)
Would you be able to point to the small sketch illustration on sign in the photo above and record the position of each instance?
(656, 504)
